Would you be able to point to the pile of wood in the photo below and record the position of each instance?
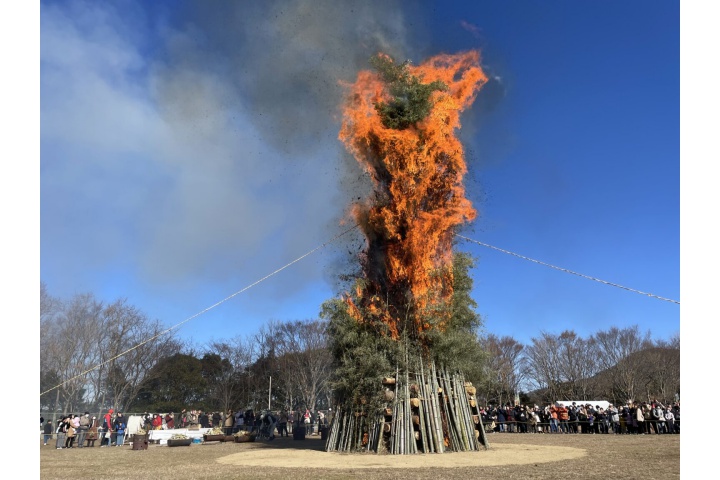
(425, 412)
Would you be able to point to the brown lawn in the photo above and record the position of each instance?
(521, 456)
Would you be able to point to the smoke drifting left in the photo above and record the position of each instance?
(280, 64)
(283, 59)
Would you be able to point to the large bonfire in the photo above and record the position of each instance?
(399, 123)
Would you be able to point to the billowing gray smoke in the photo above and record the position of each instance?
(195, 143)
(284, 59)
(282, 64)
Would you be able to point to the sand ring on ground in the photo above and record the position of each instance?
(505, 454)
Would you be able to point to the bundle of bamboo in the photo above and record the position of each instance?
(431, 413)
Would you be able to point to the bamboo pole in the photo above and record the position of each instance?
(465, 410)
(450, 413)
(425, 407)
(470, 421)
(421, 411)
(481, 427)
(469, 408)
(412, 441)
(463, 405)
(458, 400)
(439, 431)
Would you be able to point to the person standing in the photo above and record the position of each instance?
(511, 426)
(92, 434)
(170, 421)
(669, 420)
(204, 419)
(564, 417)
(614, 417)
(184, 421)
(268, 424)
(282, 424)
(217, 420)
(239, 421)
(71, 432)
(157, 421)
(501, 419)
(83, 426)
(554, 427)
(640, 419)
(250, 419)
(229, 422)
(47, 430)
(119, 426)
(61, 432)
(107, 428)
(573, 418)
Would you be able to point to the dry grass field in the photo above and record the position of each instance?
(511, 456)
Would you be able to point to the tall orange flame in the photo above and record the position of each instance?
(418, 197)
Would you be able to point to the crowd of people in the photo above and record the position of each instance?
(638, 418)
(82, 431)
(86, 430)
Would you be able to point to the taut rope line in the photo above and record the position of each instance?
(568, 271)
(203, 311)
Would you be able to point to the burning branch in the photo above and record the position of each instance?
(400, 124)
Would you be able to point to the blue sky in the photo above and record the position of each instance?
(187, 152)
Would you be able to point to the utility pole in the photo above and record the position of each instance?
(269, 393)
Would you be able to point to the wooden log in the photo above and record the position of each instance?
(471, 390)
(388, 381)
(415, 402)
(416, 419)
(388, 412)
(389, 395)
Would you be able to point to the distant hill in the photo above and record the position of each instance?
(653, 373)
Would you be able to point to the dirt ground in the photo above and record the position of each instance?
(526, 456)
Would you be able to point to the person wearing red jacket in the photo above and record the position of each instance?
(107, 428)
(157, 421)
(170, 421)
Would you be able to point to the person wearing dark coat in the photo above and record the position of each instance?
(47, 430)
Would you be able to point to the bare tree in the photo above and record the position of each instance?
(68, 353)
(616, 348)
(51, 348)
(661, 370)
(305, 359)
(504, 367)
(230, 385)
(545, 368)
(578, 364)
(131, 345)
(89, 350)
